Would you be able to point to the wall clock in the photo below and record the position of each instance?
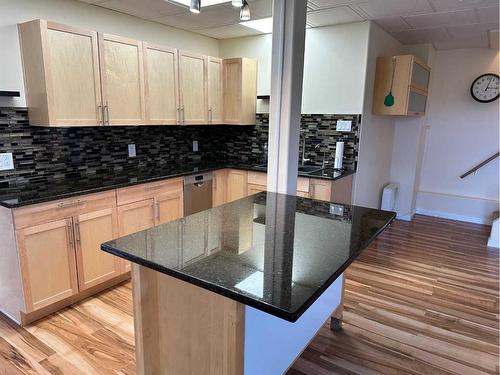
(484, 89)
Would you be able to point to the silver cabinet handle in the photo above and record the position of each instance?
(183, 116)
(210, 115)
(77, 231)
(178, 115)
(100, 114)
(157, 206)
(69, 233)
(70, 204)
(107, 112)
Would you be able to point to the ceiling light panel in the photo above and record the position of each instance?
(204, 3)
(264, 25)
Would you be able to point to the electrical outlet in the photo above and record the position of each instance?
(6, 161)
(337, 209)
(195, 146)
(344, 126)
(131, 151)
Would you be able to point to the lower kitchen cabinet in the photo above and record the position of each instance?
(236, 185)
(94, 265)
(48, 266)
(136, 216)
(219, 186)
(169, 206)
(320, 189)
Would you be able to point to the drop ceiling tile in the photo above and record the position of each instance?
(454, 43)
(444, 5)
(226, 32)
(332, 16)
(215, 16)
(387, 8)
(315, 4)
(460, 17)
(392, 24)
(421, 36)
(466, 31)
(148, 9)
(487, 15)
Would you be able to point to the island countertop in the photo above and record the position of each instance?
(277, 253)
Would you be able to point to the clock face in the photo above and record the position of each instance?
(484, 89)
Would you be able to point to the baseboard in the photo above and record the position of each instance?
(447, 215)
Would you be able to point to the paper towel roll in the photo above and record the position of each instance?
(339, 155)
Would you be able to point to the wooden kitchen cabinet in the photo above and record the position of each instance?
(320, 189)
(215, 91)
(61, 72)
(169, 206)
(236, 185)
(122, 77)
(193, 88)
(410, 87)
(48, 266)
(161, 85)
(94, 265)
(240, 91)
(219, 186)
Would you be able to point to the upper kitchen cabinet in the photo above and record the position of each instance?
(161, 85)
(193, 88)
(240, 91)
(61, 71)
(215, 91)
(122, 77)
(407, 78)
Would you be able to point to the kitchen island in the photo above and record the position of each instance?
(242, 288)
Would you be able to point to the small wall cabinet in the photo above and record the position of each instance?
(76, 77)
(240, 91)
(410, 87)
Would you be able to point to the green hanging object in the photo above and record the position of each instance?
(389, 98)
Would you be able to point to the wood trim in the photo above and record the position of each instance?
(141, 192)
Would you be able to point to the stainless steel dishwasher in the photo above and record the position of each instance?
(197, 193)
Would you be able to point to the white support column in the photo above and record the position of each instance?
(289, 22)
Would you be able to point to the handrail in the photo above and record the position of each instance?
(480, 165)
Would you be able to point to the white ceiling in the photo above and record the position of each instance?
(447, 24)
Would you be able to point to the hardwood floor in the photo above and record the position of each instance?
(423, 299)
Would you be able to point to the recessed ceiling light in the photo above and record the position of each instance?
(264, 25)
(204, 3)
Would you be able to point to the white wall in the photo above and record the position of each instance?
(82, 15)
(462, 133)
(334, 66)
(377, 132)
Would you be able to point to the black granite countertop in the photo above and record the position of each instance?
(44, 191)
(277, 253)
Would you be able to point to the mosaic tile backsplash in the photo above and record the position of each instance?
(45, 154)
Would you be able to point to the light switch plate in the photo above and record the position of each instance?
(195, 146)
(344, 126)
(131, 151)
(6, 161)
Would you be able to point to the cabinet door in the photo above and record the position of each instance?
(321, 189)
(219, 187)
(135, 217)
(122, 78)
(94, 265)
(168, 207)
(255, 189)
(236, 185)
(193, 88)
(161, 85)
(73, 85)
(215, 99)
(47, 256)
(232, 90)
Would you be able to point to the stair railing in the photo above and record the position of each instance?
(480, 165)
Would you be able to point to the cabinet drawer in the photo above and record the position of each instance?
(257, 178)
(60, 209)
(150, 190)
(303, 184)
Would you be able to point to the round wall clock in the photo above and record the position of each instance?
(484, 89)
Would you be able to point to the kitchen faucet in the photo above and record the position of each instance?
(303, 134)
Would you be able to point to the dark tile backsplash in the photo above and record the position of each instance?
(55, 153)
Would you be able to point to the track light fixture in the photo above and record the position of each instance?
(245, 11)
(195, 6)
